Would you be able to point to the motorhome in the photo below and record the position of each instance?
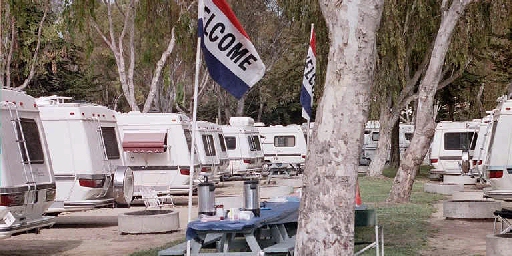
(212, 150)
(84, 146)
(27, 184)
(284, 147)
(453, 147)
(483, 140)
(371, 139)
(499, 164)
(157, 148)
(243, 145)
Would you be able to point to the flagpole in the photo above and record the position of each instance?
(309, 119)
(194, 128)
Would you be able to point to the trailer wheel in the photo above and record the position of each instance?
(123, 186)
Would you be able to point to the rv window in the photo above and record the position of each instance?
(460, 140)
(222, 143)
(408, 135)
(110, 141)
(257, 142)
(208, 145)
(366, 132)
(33, 142)
(188, 138)
(230, 142)
(375, 136)
(254, 143)
(284, 141)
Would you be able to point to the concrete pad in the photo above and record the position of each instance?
(459, 179)
(442, 188)
(148, 221)
(498, 244)
(469, 195)
(469, 209)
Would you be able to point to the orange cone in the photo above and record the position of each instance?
(359, 202)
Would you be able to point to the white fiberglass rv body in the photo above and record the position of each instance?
(211, 150)
(453, 144)
(499, 165)
(157, 147)
(243, 145)
(483, 140)
(27, 185)
(371, 139)
(284, 147)
(86, 157)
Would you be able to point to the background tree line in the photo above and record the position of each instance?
(73, 60)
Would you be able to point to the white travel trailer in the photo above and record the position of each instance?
(483, 142)
(284, 147)
(85, 150)
(157, 147)
(453, 147)
(27, 184)
(244, 148)
(212, 150)
(499, 164)
(371, 139)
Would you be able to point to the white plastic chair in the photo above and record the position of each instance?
(152, 200)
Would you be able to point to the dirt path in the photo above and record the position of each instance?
(457, 237)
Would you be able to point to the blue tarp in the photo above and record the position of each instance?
(271, 213)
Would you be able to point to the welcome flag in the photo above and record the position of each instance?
(230, 56)
(308, 80)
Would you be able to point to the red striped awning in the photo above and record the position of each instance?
(144, 142)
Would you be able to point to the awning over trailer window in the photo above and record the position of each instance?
(144, 142)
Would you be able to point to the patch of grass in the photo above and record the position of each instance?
(406, 227)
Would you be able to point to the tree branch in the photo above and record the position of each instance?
(452, 78)
(105, 39)
(36, 52)
(158, 71)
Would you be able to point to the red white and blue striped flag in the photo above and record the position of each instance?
(308, 80)
(230, 56)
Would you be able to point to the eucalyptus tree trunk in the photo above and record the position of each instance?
(326, 216)
(240, 106)
(425, 119)
(387, 120)
(394, 158)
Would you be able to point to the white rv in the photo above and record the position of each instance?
(499, 165)
(483, 140)
(244, 148)
(27, 184)
(284, 147)
(371, 139)
(157, 148)
(86, 158)
(452, 147)
(212, 150)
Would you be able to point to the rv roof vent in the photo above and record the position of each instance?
(241, 121)
(259, 124)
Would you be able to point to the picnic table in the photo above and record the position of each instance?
(270, 223)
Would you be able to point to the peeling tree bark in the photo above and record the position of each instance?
(425, 119)
(326, 217)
